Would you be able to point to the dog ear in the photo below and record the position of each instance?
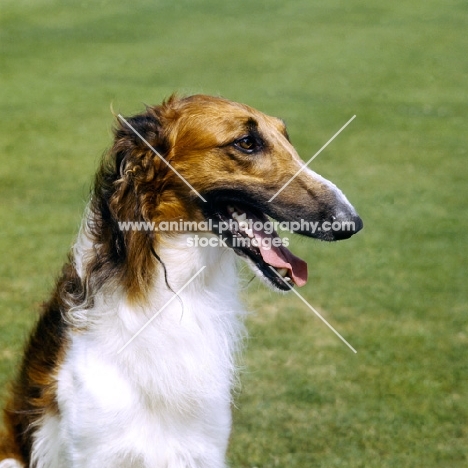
(136, 156)
(138, 140)
(126, 189)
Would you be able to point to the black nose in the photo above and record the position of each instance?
(343, 227)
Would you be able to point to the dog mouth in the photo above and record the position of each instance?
(251, 235)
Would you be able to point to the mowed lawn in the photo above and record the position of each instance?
(397, 291)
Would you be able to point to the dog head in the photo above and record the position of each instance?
(206, 158)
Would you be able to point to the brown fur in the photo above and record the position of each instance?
(195, 135)
(33, 392)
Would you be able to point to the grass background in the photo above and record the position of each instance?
(397, 291)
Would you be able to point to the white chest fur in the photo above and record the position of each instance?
(163, 400)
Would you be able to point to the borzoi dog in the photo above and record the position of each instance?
(132, 361)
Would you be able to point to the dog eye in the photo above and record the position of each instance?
(247, 144)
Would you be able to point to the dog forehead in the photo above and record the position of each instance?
(224, 119)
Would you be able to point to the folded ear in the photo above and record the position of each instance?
(126, 190)
(137, 140)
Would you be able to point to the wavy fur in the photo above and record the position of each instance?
(84, 395)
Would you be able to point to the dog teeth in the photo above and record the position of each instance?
(244, 227)
(242, 222)
(288, 279)
(239, 217)
(282, 272)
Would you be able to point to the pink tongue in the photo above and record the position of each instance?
(281, 257)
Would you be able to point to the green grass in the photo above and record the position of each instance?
(397, 291)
